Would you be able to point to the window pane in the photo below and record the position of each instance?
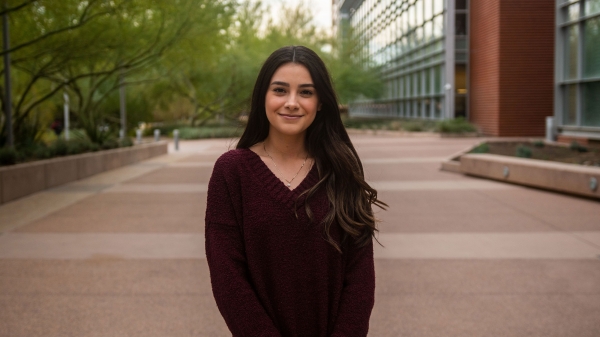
(591, 57)
(419, 6)
(428, 9)
(461, 24)
(591, 104)
(438, 6)
(460, 78)
(460, 106)
(428, 31)
(460, 43)
(438, 79)
(438, 26)
(570, 111)
(461, 4)
(437, 107)
(412, 20)
(427, 108)
(592, 6)
(416, 84)
(571, 12)
(571, 52)
(427, 82)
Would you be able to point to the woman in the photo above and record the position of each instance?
(289, 223)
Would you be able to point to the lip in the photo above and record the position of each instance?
(291, 117)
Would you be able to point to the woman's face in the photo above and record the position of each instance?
(291, 102)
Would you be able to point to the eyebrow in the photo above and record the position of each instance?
(287, 84)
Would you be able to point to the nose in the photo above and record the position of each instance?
(291, 102)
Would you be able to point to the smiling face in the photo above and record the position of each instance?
(291, 102)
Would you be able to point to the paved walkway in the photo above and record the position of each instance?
(121, 253)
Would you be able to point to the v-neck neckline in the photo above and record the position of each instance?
(274, 185)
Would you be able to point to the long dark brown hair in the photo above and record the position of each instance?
(340, 169)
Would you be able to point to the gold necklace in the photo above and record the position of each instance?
(289, 182)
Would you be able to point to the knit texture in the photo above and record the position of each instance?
(272, 273)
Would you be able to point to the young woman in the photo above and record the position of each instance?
(289, 220)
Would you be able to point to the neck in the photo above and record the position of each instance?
(286, 147)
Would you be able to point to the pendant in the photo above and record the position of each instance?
(288, 185)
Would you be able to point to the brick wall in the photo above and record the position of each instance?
(484, 65)
(512, 66)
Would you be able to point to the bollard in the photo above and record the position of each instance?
(176, 139)
(550, 129)
(138, 136)
(156, 135)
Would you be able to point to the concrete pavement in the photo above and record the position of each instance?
(121, 253)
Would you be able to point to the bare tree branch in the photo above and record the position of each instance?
(16, 8)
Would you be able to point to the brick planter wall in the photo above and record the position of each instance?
(20, 180)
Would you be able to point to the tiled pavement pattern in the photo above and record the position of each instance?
(121, 253)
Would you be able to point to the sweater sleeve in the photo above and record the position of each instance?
(233, 292)
(358, 295)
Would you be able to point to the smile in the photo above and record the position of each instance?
(292, 117)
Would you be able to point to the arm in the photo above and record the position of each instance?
(358, 296)
(235, 296)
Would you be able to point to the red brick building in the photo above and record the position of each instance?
(505, 65)
(511, 63)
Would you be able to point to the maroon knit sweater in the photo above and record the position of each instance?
(274, 274)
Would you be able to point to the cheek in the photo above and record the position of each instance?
(272, 103)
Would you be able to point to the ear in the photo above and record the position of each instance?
(319, 107)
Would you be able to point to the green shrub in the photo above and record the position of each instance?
(210, 132)
(575, 146)
(79, 146)
(8, 156)
(43, 152)
(125, 142)
(481, 148)
(60, 147)
(110, 143)
(524, 151)
(165, 129)
(539, 143)
(413, 126)
(457, 125)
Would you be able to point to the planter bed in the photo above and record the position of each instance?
(19, 180)
(576, 174)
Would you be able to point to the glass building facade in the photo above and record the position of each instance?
(422, 49)
(577, 68)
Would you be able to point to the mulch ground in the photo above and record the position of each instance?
(591, 157)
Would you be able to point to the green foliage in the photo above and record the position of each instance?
(210, 132)
(125, 142)
(539, 143)
(8, 156)
(457, 125)
(524, 151)
(184, 60)
(412, 125)
(58, 148)
(575, 146)
(354, 76)
(481, 148)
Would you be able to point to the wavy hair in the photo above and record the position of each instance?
(340, 169)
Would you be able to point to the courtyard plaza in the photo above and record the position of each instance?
(122, 253)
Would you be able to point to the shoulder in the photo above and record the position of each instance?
(233, 158)
(233, 163)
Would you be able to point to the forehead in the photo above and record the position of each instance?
(292, 73)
